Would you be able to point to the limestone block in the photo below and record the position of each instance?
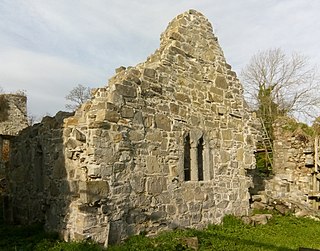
(223, 204)
(120, 69)
(93, 170)
(226, 134)
(102, 125)
(126, 91)
(221, 82)
(194, 207)
(112, 116)
(216, 91)
(118, 167)
(186, 195)
(72, 121)
(248, 158)
(73, 143)
(149, 73)
(176, 36)
(239, 137)
(93, 191)
(137, 183)
(153, 164)
(184, 98)
(138, 118)
(100, 115)
(224, 156)
(156, 185)
(136, 216)
(258, 205)
(163, 122)
(80, 136)
(261, 219)
(136, 135)
(158, 215)
(148, 121)
(127, 112)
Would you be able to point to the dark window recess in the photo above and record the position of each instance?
(187, 162)
(200, 159)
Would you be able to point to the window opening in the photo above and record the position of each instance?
(200, 159)
(187, 161)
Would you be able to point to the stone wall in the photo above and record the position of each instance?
(38, 189)
(13, 118)
(293, 164)
(165, 145)
(13, 114)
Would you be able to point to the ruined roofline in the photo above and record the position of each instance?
(190, 35)
(14, 95)
(193, 28)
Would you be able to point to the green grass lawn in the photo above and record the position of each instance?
(282, 233)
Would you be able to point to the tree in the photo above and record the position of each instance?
(276, 84)
(78, 95)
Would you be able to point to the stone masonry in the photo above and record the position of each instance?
(16, 110)
(290, 186)
(165, 145)
(13, 118)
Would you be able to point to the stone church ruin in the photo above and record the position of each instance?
(165, 145)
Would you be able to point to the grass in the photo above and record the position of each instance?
(34, 238)
(282, 233)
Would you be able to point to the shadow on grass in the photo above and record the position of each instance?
(236, 243)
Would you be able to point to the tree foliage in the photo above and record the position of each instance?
(77, 96)
(277, 84)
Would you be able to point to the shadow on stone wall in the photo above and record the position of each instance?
(38, 190)
(259, 180)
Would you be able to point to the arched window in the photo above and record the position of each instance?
(200, 158)
(187, 161)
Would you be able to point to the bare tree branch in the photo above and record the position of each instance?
(78, 95)
(280, 84)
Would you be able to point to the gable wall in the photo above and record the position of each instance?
(123, 153)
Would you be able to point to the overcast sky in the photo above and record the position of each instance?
(49, 46)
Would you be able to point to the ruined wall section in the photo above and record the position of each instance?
(128, 141)
(38, 188)
(13, 118)
(118, 166)
(291, 180)
(13, 114)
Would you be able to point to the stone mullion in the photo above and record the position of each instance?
(194, 162)
(206, 162)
